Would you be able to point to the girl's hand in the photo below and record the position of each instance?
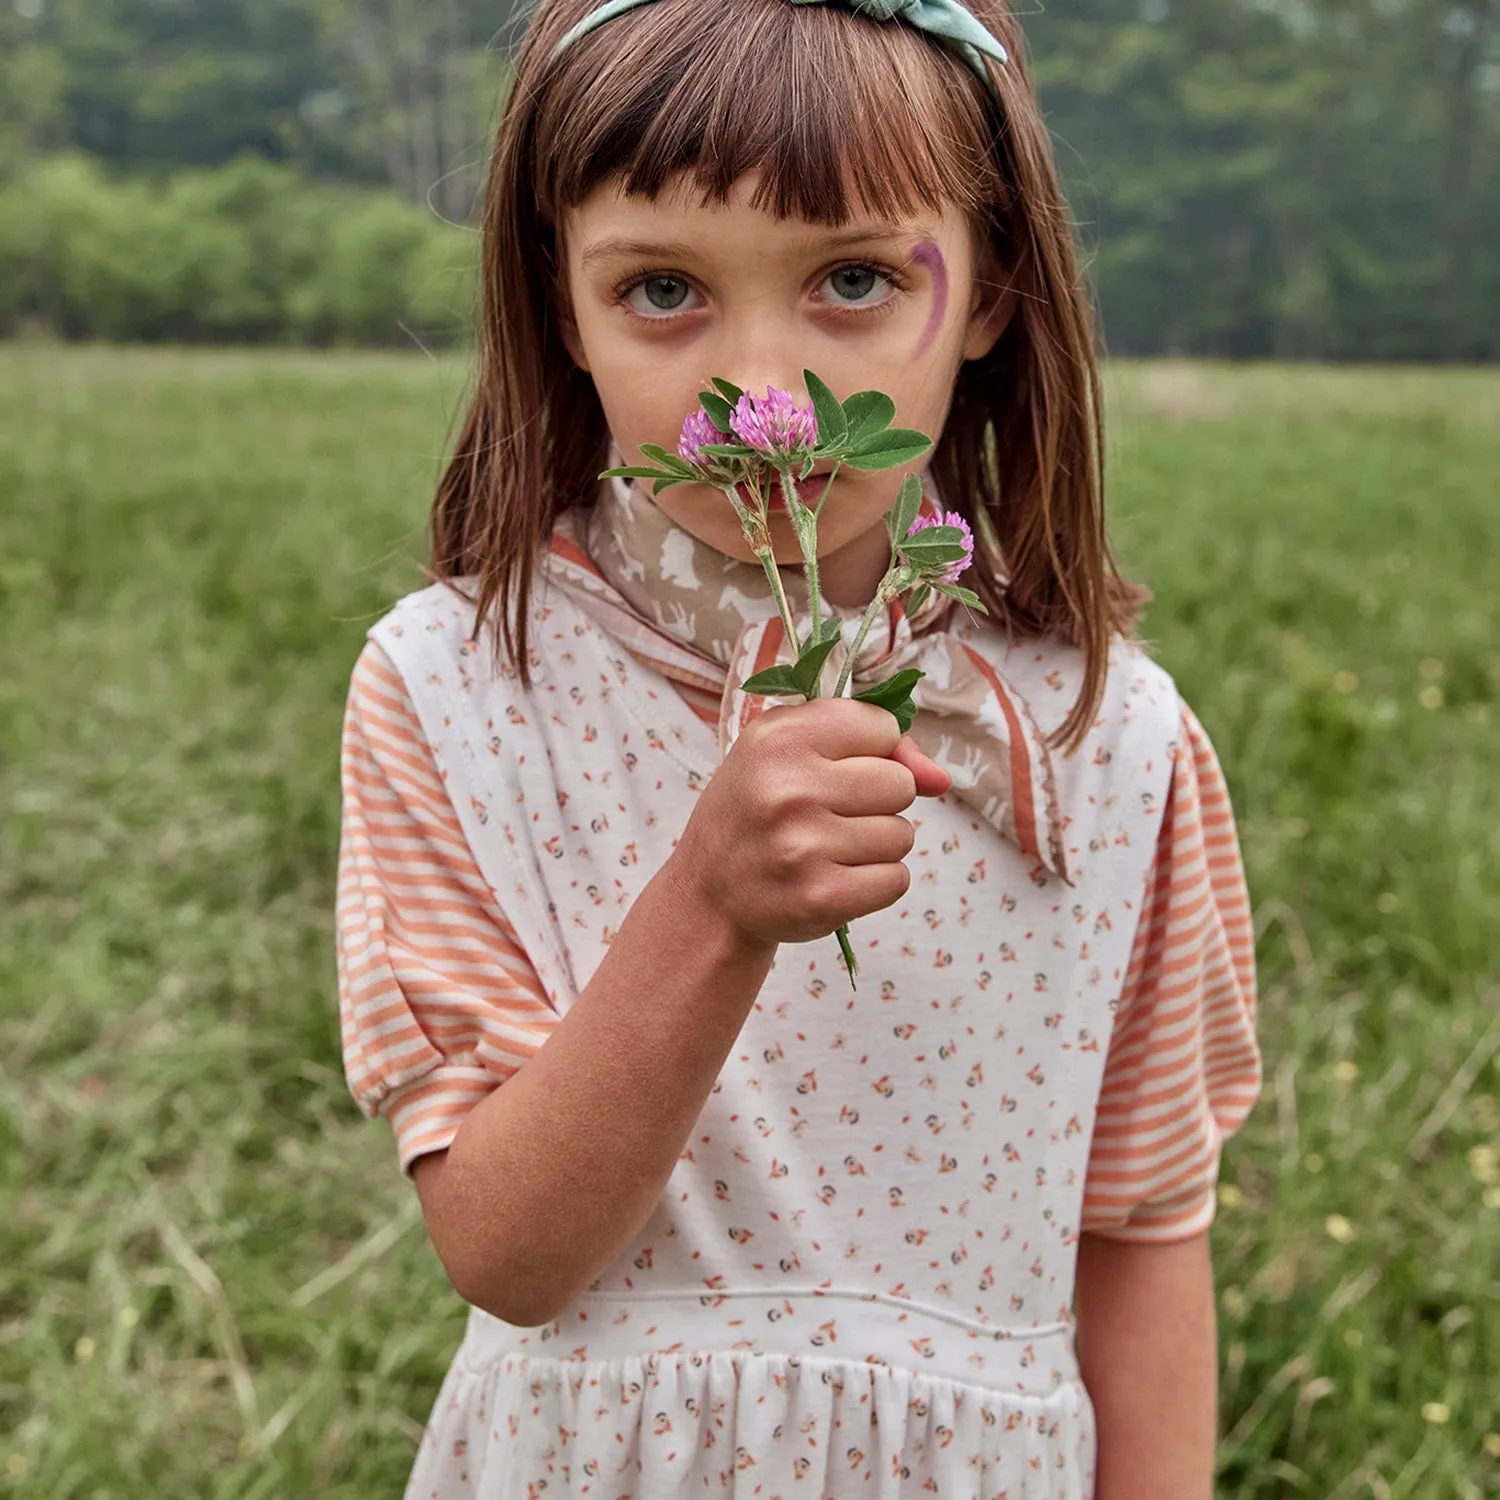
(800, 828)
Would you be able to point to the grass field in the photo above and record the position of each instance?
(213, 1282)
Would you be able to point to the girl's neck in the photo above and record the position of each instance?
(850, 576)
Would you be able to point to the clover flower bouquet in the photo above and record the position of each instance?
(742, 444)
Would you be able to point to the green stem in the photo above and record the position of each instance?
(806, 521)
(832, 475)
(878, 603)
(768, 562)
(767, 559)
(807, 539)
(843, 936)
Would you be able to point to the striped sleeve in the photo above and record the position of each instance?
(1184, 1068)
(438, 1004)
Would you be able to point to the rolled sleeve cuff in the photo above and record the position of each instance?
(1163, 1223)
(426, 1114)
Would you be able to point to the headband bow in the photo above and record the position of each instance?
(946, 20)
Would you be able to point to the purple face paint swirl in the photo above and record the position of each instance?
(927, 254)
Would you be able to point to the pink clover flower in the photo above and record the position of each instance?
(951, 573)
(774, 424)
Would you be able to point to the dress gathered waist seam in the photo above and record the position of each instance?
(827, 1324)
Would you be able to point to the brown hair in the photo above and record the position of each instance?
(643, 98)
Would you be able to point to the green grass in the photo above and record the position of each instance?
(208, 1262)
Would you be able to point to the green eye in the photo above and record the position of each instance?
(858, 281)
(665, 293)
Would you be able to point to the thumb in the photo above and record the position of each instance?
(932, 779)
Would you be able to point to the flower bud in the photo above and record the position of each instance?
(951, 571)
(697, 431)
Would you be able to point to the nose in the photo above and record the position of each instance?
(764, 379)
(759, 351)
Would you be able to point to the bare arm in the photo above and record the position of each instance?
(553, 1174)
(1148, 1347)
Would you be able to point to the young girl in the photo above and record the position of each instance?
(728, 1225)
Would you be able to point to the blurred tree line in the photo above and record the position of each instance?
(1252, 178)
(1286, 178)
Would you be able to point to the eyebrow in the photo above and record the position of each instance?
(665, 250)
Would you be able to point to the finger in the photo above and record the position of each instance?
(865, 786)
(883, 840)
(933, 780)
(837, 728)
(871, 888)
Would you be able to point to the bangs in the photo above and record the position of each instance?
(838, 112)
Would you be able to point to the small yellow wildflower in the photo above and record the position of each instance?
(1386, 902)
(1345, 1071)
(1492, 1444)
(1484, 1163)
(1313, 1161)
(129, 1317)
(1339, 1228)
(1431, 696)
(1230, 1196)
(1492, 1197)
(1353, 1338)
(83, 1350)
(1436, 1412)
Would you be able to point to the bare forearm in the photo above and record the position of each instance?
(554, 1173)
(1148, 1348)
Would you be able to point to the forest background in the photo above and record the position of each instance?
(1288, 179)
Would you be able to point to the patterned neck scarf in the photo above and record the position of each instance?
(707, 621)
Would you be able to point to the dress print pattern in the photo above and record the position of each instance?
(859, 1280)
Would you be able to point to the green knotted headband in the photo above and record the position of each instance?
(947, 20)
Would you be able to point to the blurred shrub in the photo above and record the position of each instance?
(249, 252)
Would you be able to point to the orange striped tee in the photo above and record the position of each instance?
(439, 1004)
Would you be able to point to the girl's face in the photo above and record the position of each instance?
(662, 295)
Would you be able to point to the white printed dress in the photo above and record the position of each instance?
(859, 1280)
